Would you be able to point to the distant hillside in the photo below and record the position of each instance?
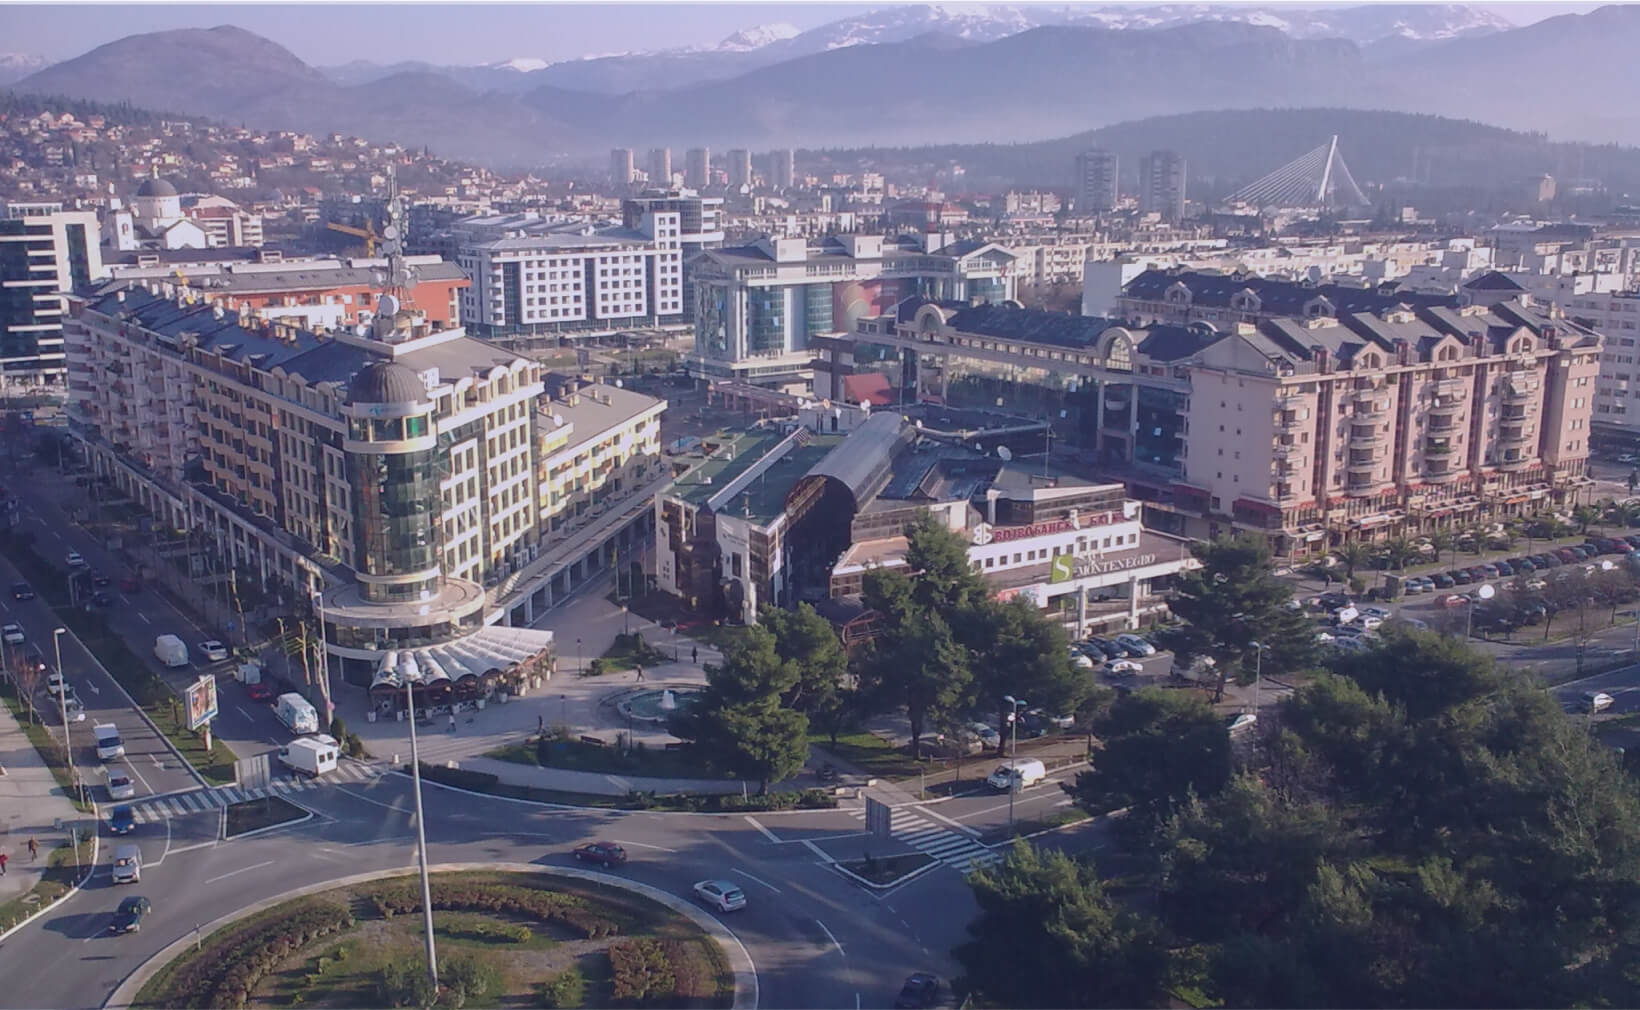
(1226, 148)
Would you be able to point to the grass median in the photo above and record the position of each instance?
(58, 879)
(578, 755)
(129, 670)
(49, 747)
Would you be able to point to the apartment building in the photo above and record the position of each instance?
(783, 168)
(660, 166)
(1225, 298)
(759, 306)
(45, 252)
(422, 479)
(1309, 429)
(1096, 179)
(591, 281)
(1162, 185)
(697, 168)
(739, 168)
(621, 167)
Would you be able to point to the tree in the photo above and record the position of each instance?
(739, 722)
(1398, 553)
(1232, 601)
(922, 669)
(1159, 747)
(1017, 652)
(810, 643)
(944, 580)
(1444, 542)
(1352, 555)
(1584, 515)
(1048, 935)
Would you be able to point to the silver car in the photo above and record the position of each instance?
(1135, 645)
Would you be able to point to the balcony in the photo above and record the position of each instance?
(1455, 389)
(1285, 450)
(1285, 489)
(1434, 448)
(1512, 436)
(1512, 461)
(1362, 435)
(1514, 413)
(1441, 471)
(1362, 488)
(1516, 391)
(1286, 420)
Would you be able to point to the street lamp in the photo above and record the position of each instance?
(1483, 593)
(410, 673)
(1015, 704)
(579, 668)
(62, 706)
(1258, 671)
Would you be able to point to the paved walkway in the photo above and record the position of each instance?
(31, 806)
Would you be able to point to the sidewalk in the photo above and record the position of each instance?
(31, 806)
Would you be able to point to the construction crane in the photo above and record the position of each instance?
(368, 233)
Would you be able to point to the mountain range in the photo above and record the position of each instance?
(907, 75)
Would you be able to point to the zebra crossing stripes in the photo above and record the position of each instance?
(958, 851)
(158, 808)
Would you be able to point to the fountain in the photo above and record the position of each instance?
(658, 705)
(669, 701)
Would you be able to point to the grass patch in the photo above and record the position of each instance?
(628, 652)
(132, 671)
(525, 935)
(872, 754)
(482, 782)
(54, 883)
(1057, 819)
(654, 762)
(254, 815)
(887, 869)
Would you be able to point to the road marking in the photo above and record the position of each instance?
(817, 850)
(748, 876)
(770, 835)
(830, 937)
(941, 817)
(243, 869)
(138, 774)
(157, 762)
(94, 689)
(642, 845)
(242, 713)
(197, 845)
(144, 617)
(856, 1001)
(167, 850)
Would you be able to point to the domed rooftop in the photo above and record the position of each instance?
(386, 382)
(156, 187)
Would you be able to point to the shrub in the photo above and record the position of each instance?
(355, 746)
(338, 728)
(595, 668)
(505, 899)
(695, 976)
(461, 778)
(243, 955)
(641, 970)
(465, 978)
(565, 991)
(404, 983)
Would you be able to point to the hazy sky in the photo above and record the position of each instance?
(326, 34)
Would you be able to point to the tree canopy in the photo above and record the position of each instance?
(739, 721)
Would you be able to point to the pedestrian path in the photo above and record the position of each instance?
(152, 809)
(956, 850)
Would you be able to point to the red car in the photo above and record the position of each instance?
(1454, 600)
(260, 691)
(602, 853)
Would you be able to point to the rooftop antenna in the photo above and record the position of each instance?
(400, 277)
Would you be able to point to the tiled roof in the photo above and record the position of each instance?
(221, 334)
(1030, 325)
(1276, 297)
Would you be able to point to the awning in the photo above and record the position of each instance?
(484, 653)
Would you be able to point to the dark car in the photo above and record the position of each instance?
(1523, 566)
(1461, 576)
(920, 990)
(1488, 569)
(128, 917)
(1504, 567)
(130, 583)
(260, 691)
(1547, 560)
(1332, 601)
(1633, 540)
(99, 580)
(21, 591)
(602, 853)
(101, 599)
(1106, 646)
(122, 821)
(1443, 580)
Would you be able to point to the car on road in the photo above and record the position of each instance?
(1442, 580)
(1124, 668)
(128, 917)
(213, 650)
(1597, 701)
(260, 691)
(920, 991)
(1135, 645)
(101, 598)
(73, 707)
(126, 867)
(723, 895)
(21, 591)
(56, 684)
(12, 634)
(120, 786)
(99, 580)
(73, 560)
(1454, 600)
(121, 820)
(1241, 722)
(605, 854)
(130, 583)
(1333, 601)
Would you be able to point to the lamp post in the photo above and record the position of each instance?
(1258, 671)
(318, 601)
(1014, 705)
(410, 674)
(62, 707)
(580, 667)
(1483, 593)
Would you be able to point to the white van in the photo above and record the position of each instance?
(171, 651)
(1597, 701)
(1022, 775)
(311, 756)
(109, 745)
(127, 865)
(298, 716)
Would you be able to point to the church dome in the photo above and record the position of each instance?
(156, 187)
(386, 382)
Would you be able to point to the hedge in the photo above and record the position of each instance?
(566, 991)
(642, 970)
(240, 957)
(506, 899)
(461, 778)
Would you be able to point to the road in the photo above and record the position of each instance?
(815, 939)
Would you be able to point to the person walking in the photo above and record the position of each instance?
(2, 864)
(540, 725)
(452, 722)
(640, 673)
(33, 849)
(694, 654)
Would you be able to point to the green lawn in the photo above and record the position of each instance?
(51, 752)
(871, 754)
(54, 883)
(629, 651)
(583, 757)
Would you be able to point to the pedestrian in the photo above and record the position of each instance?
(694, 654)
(33, 848)
(540, 725)
(640, 673)
(2, 864)
(452, 722)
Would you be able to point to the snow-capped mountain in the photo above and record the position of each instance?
(522, 64)
(748, 39)
(16, 66)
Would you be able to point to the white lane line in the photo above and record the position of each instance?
(197, 845)
(242, 869)
(955, 824)
(643, 845)
(144, 617)
(135, 771)
(830, 937)
(748, 876)
(770, 835)
(242, 713)
(167, 850)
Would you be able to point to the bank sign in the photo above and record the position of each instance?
(1066, 567)
(985, 533)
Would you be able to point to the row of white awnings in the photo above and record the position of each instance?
(488, 650)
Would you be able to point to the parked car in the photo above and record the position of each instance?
(1489, 570)
(1135, 645)
(1633, 540)
(1124, 668)
(213, 650)
(1333, 601)
(605, 854)
(1378, 612)
(128, 917)
(56, 684)
(1548, 559)
(73, 708)
(1369, 623)
(1442, 580)
(73, 560)
(1106, 646)
(12, 634)
(724, 895)
(1523, 565)
(921, 990)
(986, 733)
(1477, 573)
(1081, 661)
(1241, 722)
(1460, 576)
(100, 598)
(1503, 567)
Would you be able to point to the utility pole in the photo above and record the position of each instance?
(62, 707)
(1013, 741)
(421, 829)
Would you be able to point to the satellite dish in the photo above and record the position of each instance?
(1004, 453)
(1486, 592)
(390, 232)
(388, 306)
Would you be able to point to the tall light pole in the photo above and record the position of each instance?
(1014, 705)
(318, 601)
(62, 708)
(1258, 671)
(410, 673)
(1483, 593)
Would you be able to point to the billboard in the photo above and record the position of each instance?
(201, 701)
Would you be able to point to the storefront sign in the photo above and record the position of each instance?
(985, 533)
(1065, 567)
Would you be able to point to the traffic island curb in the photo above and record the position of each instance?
(740, 959)
(903, 878)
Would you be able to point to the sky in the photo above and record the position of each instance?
(460, 34)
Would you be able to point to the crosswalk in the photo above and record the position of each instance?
(953, 848)
(153, 809)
